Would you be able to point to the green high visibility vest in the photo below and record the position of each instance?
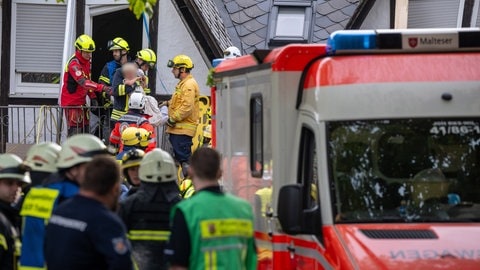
(221, 231)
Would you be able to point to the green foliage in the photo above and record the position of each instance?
(137, 7)
(210, 80)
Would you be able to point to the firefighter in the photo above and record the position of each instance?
(12, 177)
(204, 225)
(41, 161)
(183, 109)
(77, 85)
(134, 118)
(84, 232)
(120, 49)
(130, 165)
(76, 152)
(146, 213)
(145, 60)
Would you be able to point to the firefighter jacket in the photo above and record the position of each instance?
(133, 119)
(146, 215)
(77, 83)
(84, 234)
(121, 93)
(36, 210)
(220, 227)
(9, 237)
(106, 75)
(183, 107)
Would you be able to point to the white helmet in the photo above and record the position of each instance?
(80, 148)
(157, 166)
(11, 166)
(137, 101)
(42, 157)
(231, 52)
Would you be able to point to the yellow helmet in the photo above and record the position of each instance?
(148, 56)
(130, 136)
(144, 137)
(179, 61)
(118, 43)
(11, 166)
(42, 157)
(85, 43)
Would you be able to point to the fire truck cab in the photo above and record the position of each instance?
(362, 153)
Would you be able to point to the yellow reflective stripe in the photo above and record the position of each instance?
(121, 90)
(31, 268)
(186, 126)
(215, 228)
(148, 235)
(104, 79)
(116, 114)
(211, 260)
(3, 242)
(39, 202)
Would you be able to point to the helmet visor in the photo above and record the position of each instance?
(94, 153)
(170, 64)
(132, 155)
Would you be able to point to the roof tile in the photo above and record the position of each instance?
(252, 39)
(263, 19)
(325, 8)
(337, 16)
(253, 25)
(240, 17)
(254, 11)
(338, 4)
(246, 3)
(323, 21)
(232, 7)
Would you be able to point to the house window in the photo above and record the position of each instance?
(435, 13)
(38, 32)
(290, 22)
(256, 135)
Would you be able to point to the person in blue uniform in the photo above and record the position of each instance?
(85, 232)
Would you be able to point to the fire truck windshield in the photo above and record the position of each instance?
(405, 170)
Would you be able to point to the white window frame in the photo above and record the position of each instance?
(276, 40)
(24, 89)
(475, 14)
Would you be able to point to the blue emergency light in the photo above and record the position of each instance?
(406, 40)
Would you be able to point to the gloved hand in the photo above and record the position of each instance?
(171, 122)
(108, 91)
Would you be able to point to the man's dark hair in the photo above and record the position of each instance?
(205, 162)
(101, 174)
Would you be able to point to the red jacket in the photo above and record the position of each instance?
(77, 83)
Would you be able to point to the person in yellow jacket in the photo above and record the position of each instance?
(183, 109)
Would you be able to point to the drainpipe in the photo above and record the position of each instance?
(67, 52)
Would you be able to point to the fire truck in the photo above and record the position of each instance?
(361, 153)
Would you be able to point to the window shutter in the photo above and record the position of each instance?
(40, 33)
(433, 13)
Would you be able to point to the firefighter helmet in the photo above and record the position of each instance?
(157, 166)
(130, 136)
(147, 55)
(136, 101)
(179, 61)
(11, 166)
(131, 158)
(118, 43)
(42, 157)
(85, 43)
(231, 52)
(80, 148)
(144, 137)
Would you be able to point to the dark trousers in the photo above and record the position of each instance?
(182, 147)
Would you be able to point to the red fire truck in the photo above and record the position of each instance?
(362, 153)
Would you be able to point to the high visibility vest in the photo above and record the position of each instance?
(221, 231)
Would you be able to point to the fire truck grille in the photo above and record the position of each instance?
(400, 234)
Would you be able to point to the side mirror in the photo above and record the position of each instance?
(293, 218)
